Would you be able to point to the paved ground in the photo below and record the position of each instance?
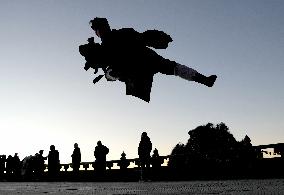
(193, 187)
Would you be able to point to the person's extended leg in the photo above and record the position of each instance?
(192, 75)
(168, 67)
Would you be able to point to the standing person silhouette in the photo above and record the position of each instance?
(53, 163)
(100, 164)
(76, 158)
(16, 162)
(39, 164)
(144, 150)
(156, 162)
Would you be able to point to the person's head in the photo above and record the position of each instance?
(40, 152)
(52, 147)
(75, 145)
(144, 134)
(99, 143)
(156, 152)
(100, 26)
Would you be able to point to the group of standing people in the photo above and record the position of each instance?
(34, 165)
(12, 164)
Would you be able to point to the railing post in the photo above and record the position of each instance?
(86, 166)
(109, 165)
(66, 166)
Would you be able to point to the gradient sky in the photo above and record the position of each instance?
(48, 98)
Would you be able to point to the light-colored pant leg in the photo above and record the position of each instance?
(185, 72)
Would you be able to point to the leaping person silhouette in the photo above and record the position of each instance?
(125, 55)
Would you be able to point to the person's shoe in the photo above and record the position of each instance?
(208, 81)
(211, 80)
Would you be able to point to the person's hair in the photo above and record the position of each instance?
(144, 134)
(98, 23)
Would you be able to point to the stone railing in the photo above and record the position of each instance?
(109, 164)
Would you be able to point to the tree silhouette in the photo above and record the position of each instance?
(212, 149)
(177, 158)
(209, 142)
